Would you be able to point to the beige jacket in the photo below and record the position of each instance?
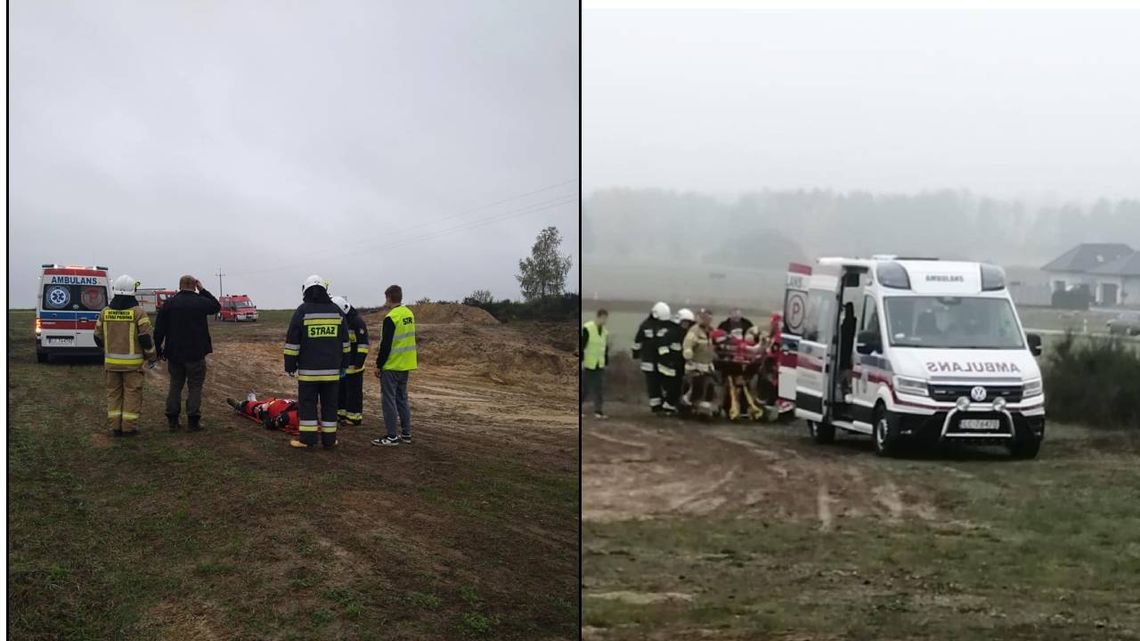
(119, 330)
(698, 350)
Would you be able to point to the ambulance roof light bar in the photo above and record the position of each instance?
(892, 275)
(57, 266)
(897, 257)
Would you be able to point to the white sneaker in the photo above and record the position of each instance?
(252, 396)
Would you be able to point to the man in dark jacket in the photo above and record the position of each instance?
(736, 324)
(182, 336)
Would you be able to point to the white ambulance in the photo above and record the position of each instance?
(900, 348)
(68, 301)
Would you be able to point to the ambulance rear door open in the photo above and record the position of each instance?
(795, 308)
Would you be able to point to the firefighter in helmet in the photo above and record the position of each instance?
(122, 329)
(350, 402)
(317, 353)
(645, 346)
(671, 360)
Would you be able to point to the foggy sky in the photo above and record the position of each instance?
(280, 139)
(1043, 106)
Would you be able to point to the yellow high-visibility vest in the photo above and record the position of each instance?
(594, 356)
(403, 355)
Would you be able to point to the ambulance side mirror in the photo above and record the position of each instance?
(868, 343)
(1034, 343)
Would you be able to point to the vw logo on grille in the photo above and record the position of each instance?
(978, 393)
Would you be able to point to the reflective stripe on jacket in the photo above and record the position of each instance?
(357, 342)
(316, 343)
(119, 330)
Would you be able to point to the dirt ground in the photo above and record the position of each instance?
(472, 531)
(638, 469)
(751, 531)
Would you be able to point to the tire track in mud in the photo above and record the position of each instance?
(636, 467)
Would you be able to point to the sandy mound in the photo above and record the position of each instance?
(443, 313)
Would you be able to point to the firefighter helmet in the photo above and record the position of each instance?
(342, 303)
(686, 315)
(125, 286)
(314, 281)
(660, 311)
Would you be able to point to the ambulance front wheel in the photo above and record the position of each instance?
(822, 433)
(1025, 444)
(885, 433)
(42, 357)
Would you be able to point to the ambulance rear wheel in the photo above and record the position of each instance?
(42, 357)
(822, 433)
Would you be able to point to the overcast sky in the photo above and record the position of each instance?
(368, 142)
(1044, 105)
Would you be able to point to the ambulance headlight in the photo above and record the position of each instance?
(915, 386)
(1032, 388)
(999, 403)
(963, 403)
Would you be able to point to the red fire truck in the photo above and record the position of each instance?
(237, 308)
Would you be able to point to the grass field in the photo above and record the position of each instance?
(471, 532)
(752, 532)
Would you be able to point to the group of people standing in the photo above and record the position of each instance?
(689, 365)
(326, 346)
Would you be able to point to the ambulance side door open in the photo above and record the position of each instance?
(871, 369)
(816, 353)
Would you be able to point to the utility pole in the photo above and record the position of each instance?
(220, 274)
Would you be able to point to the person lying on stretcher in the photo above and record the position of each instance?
(271, 413)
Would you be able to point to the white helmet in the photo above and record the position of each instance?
(342, 303)
(125, 286)
(314, 281)
(660, 311)
(686, 314)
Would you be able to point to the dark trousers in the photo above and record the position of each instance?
(350, 399)
(653, 386)
(671, 388)
(192, 375)
(313, 419)
(593, 384)
(394, 402)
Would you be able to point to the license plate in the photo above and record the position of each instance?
(979, 424)
(60, 340)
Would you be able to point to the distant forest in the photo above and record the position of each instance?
(767, 229)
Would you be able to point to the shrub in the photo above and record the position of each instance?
(1093, 381)
(549, 308)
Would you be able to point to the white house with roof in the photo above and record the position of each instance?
(1111, 271)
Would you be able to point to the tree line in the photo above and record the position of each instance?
(766, 229)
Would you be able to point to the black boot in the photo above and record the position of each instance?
(195, 422)
(172, 421)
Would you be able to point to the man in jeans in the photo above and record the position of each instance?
(397, 357)
(182, 336)
(593, 346)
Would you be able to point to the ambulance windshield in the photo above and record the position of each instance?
(946, 322)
